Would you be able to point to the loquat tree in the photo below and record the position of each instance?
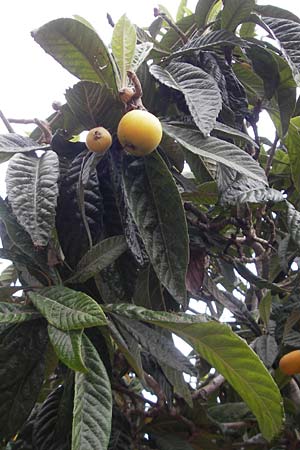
(175, 216)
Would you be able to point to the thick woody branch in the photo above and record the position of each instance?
(204, 392)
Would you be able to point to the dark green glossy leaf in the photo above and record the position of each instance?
(236, 12)
(67, 345)
(14, 143)
(16, 313)
(220, 151)
(79, 49)
(200, 90)
(22, 350)
(32, 190)
(156, 207)
(288, 34)
(292, 142)
(92, 411)
(98, 257)
(94, 104)
(202, 10)
(67, 309)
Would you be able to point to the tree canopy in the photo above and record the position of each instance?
(112, 255)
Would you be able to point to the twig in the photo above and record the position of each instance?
(6, 123)
(204, 392)
(158, 13)
(271, 155)
(43, 125)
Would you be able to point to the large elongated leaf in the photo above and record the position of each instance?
(288, 34)
(123, 46)
(22, 358)
(235, 360)
(15, 313)
(79, 49)
(32, 192)
(278, 13)
(202, 10)
(292, 143)
(200, 90)
(14, 143)
(210, 40)
(157, 210)
(217, 150)
(67, 346)
(94, 104)
(53, 423)
(142, 50)
(99, 257)
(235, 12)
(293, 222)
(92, 411)
(67, 309)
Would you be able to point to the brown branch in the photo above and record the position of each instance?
(271, 155)
(6, 122)
(205, 391)
(183, 37)
(43, 125)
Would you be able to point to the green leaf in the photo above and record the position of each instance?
(252, 83)
(208, 41)
(292, 142)
(67, 309)
(181, 10)
(180, 386)
(265, 65)
(94, 105)
(92, 411)
(8, 276)
(79, 49)
(267, 349)
(200, 90)
(265, 307)
(223, 130)
(293, 223)
(236, 12)
(229, 355)
(98, 257)
(142, 51)
(14, 143)
(67, 346)
(22, 364)
(242, 369)
(202, 10)
(16, 313)
(157, 209)
(157, 317)
(32, 190)
(123, 46)
(217, 150)
(274, 11)
(288, 35)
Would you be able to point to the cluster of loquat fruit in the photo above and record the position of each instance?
(139, 133)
